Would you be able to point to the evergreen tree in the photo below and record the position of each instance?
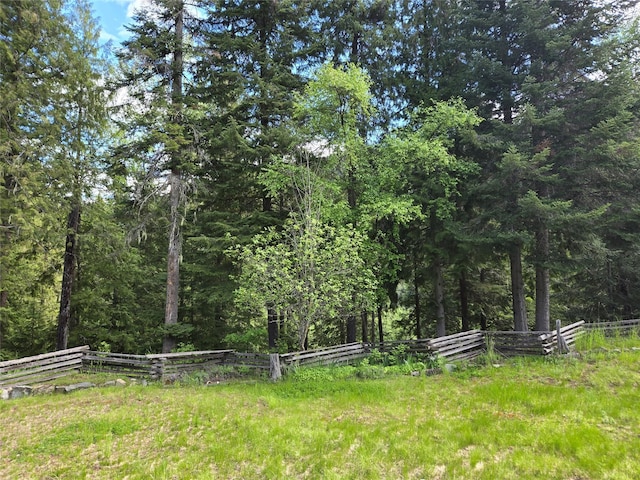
(163, 130)
(434, 174)
(119, 295)
(247, 75)
(80, 140)
(49, 112)
(529, 63)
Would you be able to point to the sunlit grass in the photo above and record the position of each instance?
(599, 339)
(527, 419)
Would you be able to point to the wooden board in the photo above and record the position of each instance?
(44, 356)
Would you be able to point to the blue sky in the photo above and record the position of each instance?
(113, 15)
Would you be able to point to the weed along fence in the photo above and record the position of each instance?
(170, 366)
(414, 347)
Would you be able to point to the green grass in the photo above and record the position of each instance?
(530, 418)
(596, 339)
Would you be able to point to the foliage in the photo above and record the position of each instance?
(331, 105)
(51, 123)
(434, 165)
(118, 297)
(248, 340)
(310, 273)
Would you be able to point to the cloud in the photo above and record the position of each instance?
(106, 37)
(123, 32)
(140, 5)
(150, 6)
(119, 2)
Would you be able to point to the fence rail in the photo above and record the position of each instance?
(459, 346)
(130, 365)
(570, 334)
(420, 346)
(174, 364)
(41, 368)
(323, 356)
(611, 328)
(512, 344)
(258, 361)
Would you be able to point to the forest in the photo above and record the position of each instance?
(275, 175)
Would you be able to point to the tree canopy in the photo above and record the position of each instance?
(284, 174)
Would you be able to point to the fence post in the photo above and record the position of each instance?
(157, 368)
(274, 366)
(562, 343)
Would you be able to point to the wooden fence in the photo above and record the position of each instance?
(512, 344)
(570, 333)
(41, 368)
(460, 346)
(613, 328)
(155, 366)
(119, 363)
(253, 361)
(323, 356)
(172, 365)
(413, 347)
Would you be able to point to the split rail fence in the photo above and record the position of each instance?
(512, 344)
(42, 368)
(459, 346)
(613, 328)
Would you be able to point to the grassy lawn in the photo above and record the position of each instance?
(527, 419)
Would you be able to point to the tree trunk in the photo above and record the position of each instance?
(4, 293)
(173, 263)
(272, 327)
(380, 331)
(373, 326)
(517, 289)
(175, 181)
(542, 281)
(464, 302)
(483, 316)
(364, 317)
(68, 276)
(351, 329)
(416, 298)
(441, 329)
